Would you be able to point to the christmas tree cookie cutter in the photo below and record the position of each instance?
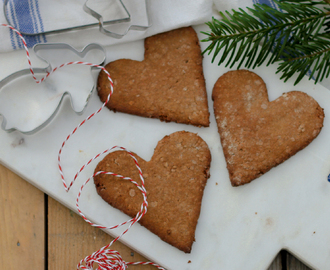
(27, 106)
(88, 10)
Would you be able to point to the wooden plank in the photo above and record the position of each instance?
(277, 263)
(284, 260)
(293, 263)
(22, 230)
(71, 239)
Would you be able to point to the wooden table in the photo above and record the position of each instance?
(37, 232)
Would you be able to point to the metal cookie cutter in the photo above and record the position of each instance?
(32, 31)
(113, 34)
(27, 106)
(90, 11)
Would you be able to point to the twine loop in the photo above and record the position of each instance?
(106, 259)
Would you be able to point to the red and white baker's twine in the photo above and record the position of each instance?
(106, 258)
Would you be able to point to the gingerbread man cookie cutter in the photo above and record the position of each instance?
(27, 106)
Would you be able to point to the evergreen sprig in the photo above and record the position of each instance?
(297, 37)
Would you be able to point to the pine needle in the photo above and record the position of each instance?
(297, 37)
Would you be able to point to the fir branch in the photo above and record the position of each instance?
(294, 37)
(313, 57)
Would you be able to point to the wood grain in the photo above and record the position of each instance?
(292, 263)
(277, 263)
(22, 230)
(71, 239)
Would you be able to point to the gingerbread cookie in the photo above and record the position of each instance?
(168, 84)
(257, 135)
(175, 178)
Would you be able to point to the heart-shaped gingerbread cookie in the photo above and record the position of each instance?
(256, 134)
(168, 84)
(175, 178)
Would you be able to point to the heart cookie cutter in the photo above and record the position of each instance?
(101, 22)
(42, 101)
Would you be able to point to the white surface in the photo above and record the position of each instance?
(239, 227)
